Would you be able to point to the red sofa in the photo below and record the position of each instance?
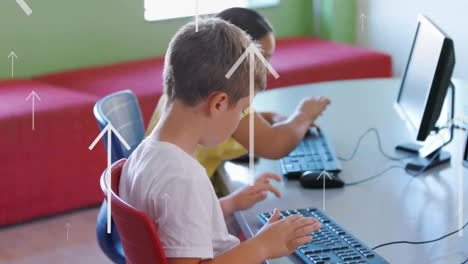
(51, 170)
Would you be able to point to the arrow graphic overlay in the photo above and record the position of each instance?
(109, 129)
(460, 152)
(13, 57)
(464, 119)
(363, 17)
(251, 51)
(25, 7)
(324, 174)
(33, 95)
(67, 226)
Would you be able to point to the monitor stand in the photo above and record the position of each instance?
(439, 156)
(421, 164)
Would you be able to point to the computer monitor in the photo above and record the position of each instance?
(423, 91)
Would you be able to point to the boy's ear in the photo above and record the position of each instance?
(217, 102)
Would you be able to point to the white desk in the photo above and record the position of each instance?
(393, 207)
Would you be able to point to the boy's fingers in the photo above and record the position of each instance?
(293, 218)
(307, 230)
(275, 217)
(305, 221)
(316, 126)
(325, 100)
(273, 176)
(300, 241)
(266, 176)
(316, 226)
(269, 187)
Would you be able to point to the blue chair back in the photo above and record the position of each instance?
(122, 110)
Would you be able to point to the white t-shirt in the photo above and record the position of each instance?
(172, 188)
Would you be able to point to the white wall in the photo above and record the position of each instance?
(390, 26)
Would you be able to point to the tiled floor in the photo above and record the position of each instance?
(45, 240)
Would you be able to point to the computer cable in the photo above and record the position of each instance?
(452, 124)
(379, 143)
(421, 242)
(412, 173)
(457, 127)
(375, 176)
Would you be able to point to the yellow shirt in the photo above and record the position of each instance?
(210, 158)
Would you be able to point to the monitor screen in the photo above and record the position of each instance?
(420, 72)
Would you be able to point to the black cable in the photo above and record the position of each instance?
(421, 242)
(375, 176)
(412, 173)
(408, 171)
(464, 262)
(455, 126)
(379, 143)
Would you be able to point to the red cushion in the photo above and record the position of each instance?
(52, 98)
(50, 169)
(301, 60)
(142, 77)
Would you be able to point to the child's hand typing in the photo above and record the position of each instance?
(280, 238)
(248, 196)
(312, 107)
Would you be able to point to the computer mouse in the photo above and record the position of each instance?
(311, 180)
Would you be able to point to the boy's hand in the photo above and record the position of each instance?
(280, 238)
(248, 196)
(312, 107)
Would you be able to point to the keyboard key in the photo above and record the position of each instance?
(293, 167)
(307, 166)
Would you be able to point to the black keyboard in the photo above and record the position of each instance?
(331, 244)
(314, 154)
